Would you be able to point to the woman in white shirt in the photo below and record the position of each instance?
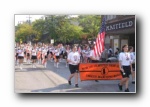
(34, 56)
(44, 57)
(57, 57)
(20, 56)
(28, 52)
(125, 64)
(73, 60)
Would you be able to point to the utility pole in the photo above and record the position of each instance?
(29, 38)
(29, 20)
(19, 22)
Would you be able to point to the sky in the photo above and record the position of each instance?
(20, 18)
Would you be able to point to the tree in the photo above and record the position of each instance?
(61, 29)
(91, 24)
(39, 28)
(23, 31)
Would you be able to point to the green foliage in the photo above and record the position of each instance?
(90, 23)
(38, 27)
(61, 28)
(23, 31)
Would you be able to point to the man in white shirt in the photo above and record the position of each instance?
(73, 60)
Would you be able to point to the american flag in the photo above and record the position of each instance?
(99, 44)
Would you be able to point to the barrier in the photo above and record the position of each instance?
(99, 71)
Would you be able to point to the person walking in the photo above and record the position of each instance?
(34, 56)
(73, 60)
(44, 57)
(132, 54)
(20, 56)
(28, 52)
(57, 56)
(125, 64)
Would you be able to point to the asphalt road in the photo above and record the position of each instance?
(55, 80)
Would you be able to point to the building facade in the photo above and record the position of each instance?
(120, 30)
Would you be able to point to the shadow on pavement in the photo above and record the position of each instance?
(65, 88)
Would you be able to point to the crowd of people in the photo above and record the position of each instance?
(40, 53)
(75, 54)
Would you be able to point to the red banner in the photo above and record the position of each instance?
(99, 71)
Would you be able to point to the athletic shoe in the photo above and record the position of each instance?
(120, 87)
(69, 82)
(76, 85)
(127, 90)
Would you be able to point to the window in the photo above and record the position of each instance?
(110, 17)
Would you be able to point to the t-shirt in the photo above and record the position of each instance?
(132, 54)
(28, 50)
(34, 52)
(57, 52)
(44, 52)
(20, 52)
(87, 53)
(74, 57)
(83, 52)
(93, 55)
(68, 51)
(110, 51)
(125, 58)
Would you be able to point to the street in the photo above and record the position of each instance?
(55, 80)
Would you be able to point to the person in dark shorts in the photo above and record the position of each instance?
(28, 54)
(132, 54)
(34, 56)
(44, 57)
(57, 56)
(20, 56)
(73, 60)
(125, 64)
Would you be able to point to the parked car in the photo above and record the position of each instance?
(112, 59)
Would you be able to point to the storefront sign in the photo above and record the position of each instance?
(120, 25)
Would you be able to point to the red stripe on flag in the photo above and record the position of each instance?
(99, 45)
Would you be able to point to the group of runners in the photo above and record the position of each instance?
(73, 55)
